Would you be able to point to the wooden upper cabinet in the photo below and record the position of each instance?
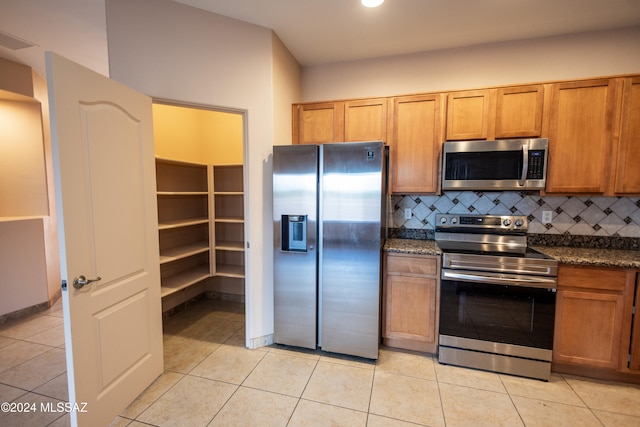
(468, 115)
(627, 162)
(519, 111)
(318, 123)
(508, 112)
(365, 120)
(582, 117)
(415, 139)
(340, 121)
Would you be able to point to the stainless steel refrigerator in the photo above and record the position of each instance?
(329, 211)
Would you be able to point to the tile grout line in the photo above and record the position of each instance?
(317, 361)
(238, 386)
(444, 414)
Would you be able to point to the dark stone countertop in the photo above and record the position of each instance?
(621, 258)
(412, 246)
(589, 256)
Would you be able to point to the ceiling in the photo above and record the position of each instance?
(326, 31)
(323, 31)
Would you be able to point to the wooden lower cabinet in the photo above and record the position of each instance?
(634, 347)
(594, 315)
(411, 293)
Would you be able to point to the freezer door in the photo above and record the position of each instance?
(295, 191)
(352, 222)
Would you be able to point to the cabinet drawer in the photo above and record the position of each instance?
(606, 279)
(412, 265)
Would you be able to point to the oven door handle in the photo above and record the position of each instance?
(501, 279)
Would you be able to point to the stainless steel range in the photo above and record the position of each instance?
(497, 302)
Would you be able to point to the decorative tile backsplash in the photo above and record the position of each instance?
(572, 215)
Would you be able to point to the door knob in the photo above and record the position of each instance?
(80, 281)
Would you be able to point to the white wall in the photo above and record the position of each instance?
(23, 181)
(287, 88)
(36, 248)
(75, 29)
(555, 58)
(50, 222)
(175, 52)
(23, 266)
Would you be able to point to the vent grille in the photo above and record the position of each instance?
(12, 42)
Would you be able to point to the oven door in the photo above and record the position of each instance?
(515, 310)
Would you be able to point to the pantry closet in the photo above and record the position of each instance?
(200, 189)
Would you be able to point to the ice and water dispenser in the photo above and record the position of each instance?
(294, 233)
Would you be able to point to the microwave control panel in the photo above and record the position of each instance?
(536, 164)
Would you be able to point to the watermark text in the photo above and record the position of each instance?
(58, 407)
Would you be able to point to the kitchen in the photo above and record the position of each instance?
(137, 54)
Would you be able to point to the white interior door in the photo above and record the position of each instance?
(106, 198)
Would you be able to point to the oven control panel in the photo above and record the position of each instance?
(481, 222)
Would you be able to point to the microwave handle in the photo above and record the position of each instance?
(525, 164)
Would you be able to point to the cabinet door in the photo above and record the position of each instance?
(468, 115)
(519, 111)
(581, 135)
(590, 313)
(411, 301)
(411, 310)
(627, 177)
(587, 328)
(634, 348)
(416, 138)
(318, 123)
(365, 120)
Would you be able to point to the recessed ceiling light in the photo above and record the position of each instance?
(371, 3)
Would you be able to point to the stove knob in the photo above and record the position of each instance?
(443, 220)
(454, 220)
(506, 222)
(518, 223)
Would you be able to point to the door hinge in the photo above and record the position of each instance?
(64, 285)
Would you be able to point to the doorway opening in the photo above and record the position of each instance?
(201, 180)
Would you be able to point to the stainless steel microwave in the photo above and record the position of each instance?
(506, 164)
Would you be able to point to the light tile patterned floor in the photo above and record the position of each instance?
(212, 380)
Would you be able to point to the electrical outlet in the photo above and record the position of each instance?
(547, 216)
(407, 213)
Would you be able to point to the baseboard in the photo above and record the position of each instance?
(596, 373)
(224, 296)
(261, 341)
(23, 312)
